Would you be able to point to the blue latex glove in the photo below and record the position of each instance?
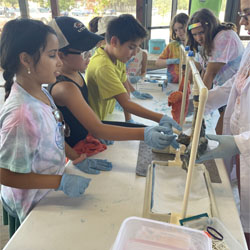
(106, 142)
(226, 148)
(93, 166)
(157, 137)
(142, 96)
(168, 122)
(151, 80)
(173, 61)
(73, 185)
(134, 79)
(133, 122)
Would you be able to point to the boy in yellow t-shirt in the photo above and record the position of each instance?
(104, 80)
(106, 72)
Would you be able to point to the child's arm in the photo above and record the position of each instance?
(198, 66)
(137, 109)
(29, 180)
(71, 185)
(129, 86)
(70, 152)
(87, 117)
(138, 94)
(161, 63)
(210, 73)
(129, 89)
(165, 62)
(144, 63)
(167, 57)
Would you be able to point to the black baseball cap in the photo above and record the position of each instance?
(72, 33)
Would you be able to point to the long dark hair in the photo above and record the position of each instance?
(21, 35)
(181, 18)
(211, 26)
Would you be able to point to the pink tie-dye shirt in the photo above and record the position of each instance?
(31, 141)
(227, 49)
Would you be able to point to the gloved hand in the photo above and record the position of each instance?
(106, 142)
(142, 96)
(73, 185)
(131, 121)
(134, 122)
(168, 122)
(93, 166)
(173, 61)
(158, 137)
(134, 79)
(226, 148)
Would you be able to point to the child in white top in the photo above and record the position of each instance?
(137, 66)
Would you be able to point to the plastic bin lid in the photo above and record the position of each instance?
(143, 234)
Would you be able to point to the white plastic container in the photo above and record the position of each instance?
(143, 234)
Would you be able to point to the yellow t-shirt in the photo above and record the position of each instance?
(104, 80)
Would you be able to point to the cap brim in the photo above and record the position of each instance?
(88, 42)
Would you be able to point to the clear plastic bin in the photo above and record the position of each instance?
(143, 234)
(231, 242)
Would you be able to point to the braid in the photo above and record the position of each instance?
(8, 77)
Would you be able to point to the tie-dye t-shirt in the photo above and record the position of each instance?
(228, 49)
(172, 51)
(31, 141)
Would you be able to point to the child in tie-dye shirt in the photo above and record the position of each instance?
(32, 148)
(218, 50)
(170, 56)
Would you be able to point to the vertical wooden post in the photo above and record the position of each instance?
(24, 8)
(140, 11)
(54, 8)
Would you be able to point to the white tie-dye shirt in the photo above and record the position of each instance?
(30, 141)
(228, 49)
